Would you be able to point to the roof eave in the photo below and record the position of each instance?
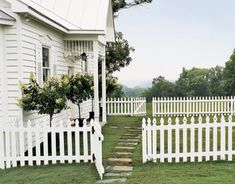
(7, 22)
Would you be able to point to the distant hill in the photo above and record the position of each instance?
(133, 92)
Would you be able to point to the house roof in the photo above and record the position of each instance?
(74, 15)
(5, 18)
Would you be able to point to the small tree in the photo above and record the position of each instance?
(49, 99)
(80, 89)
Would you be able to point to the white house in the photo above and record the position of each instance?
(47, 38)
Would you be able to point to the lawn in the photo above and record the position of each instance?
(150, 173)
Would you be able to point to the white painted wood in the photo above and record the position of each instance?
(96, 82)
(8, 151)
(193, 106)
(222, 151)
(104, 111)
(144, 146)
(126, 106)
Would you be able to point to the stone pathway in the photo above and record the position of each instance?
(120, 160)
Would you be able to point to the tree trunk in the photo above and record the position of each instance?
(79, 111)
(51, 117)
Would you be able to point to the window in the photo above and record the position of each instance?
(46, 63)
(70, 71)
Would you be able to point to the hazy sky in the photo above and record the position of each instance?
(171, 34)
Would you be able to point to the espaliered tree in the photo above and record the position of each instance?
(49, 99)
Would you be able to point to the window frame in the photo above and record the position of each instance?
(47, 68)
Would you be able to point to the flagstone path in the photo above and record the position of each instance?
(120, 160)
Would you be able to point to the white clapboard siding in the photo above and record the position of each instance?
(188, 106)
(188, 140)
(71, 144)
(126, 106)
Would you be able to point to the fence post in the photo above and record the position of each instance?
(132, 107)
(1, 149)
(230, 138)
(222, 138)
(144, 156)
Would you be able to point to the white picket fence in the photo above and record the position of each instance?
(193, 141)
(187, 106)
(28, 145)
(126, 106)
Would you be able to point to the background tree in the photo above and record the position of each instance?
(228, 80)
(118, 53)
(215, 81)
(124, 4)
(193, 82)
(160, 88)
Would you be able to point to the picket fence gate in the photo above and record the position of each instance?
(126, 106)
(40, 144)
(187, 106)
(188, 141)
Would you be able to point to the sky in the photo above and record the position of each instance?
(171, 34)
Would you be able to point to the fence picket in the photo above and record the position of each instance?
(162, 144)
(192, 142)
(207, 138)
(165, 152)
(169, 140)
(34, 136)
(187, 106)
(215, 148)
(200, 139)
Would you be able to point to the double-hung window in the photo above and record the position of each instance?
(46, 63)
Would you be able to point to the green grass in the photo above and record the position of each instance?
(150, 173)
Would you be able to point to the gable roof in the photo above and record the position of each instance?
(73, 15)
(5, 18)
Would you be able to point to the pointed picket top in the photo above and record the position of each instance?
(29, 124)
(230, 118)
(154, 122)
(215, 119)
(149, 122)
(200, 119)
(162, 121)
(169, 121)
(143, 122)
(207, 119)
(177, 121)
(222, 119)
(192, 120)
(85, 123)
(76, 123)
(185, 120)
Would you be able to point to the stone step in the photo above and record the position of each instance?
(127, 127)
(128, 134)
(123, 153)
(122, 174)
(124, 148)
(134, 130)
(128, 143)
(119, 168)
(129, 140)
(117, 180)
(113, 127)
(120, 160)
(130, 137)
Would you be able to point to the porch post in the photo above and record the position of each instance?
(104, 114)
(96, 81)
